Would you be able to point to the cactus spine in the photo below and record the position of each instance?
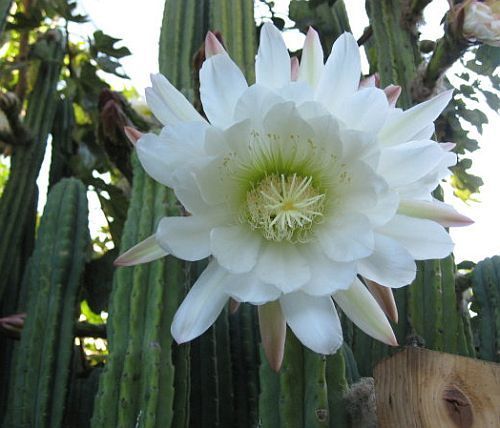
(44, 356)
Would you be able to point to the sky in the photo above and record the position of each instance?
(139, 27)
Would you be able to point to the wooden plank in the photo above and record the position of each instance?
(427, 389)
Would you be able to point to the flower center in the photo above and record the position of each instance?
(284, 207)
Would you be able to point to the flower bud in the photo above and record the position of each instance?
(482, 22)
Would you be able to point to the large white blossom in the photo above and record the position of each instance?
(295, 185)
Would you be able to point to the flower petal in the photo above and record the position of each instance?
(236, 248)
(247, 287)
(385, 299)
(161, 155)
(311, 63)
(202, 305)
(390, 264)
(282, 265)
(329, 276)
(366, 110)
(272, 327)
(314, 320)
(435, 210)
(360, 306)
(168, 104)
(404, 126)
(272, 64)
(424, 239)
(406, 163)
(144, 252)
(340, 78)
(346, 240)
(187, 238)
(221, 85)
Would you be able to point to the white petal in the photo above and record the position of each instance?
(236, 248)
(340, 78)
(366, 110)
(187, 238)
(255, 103)
(385, 208)
(178, 145)
(403, 127)
(390, 264)
(144, 252)
(272, 64)
(406, 163)
(168, 104)
(282, 265)
(202, 305)
(328, 276)
(424, 239)
(311, 63)
(221, 85)
(360, 306)
(435, 210)
(348, 239)
(247, 287)
(314, 320)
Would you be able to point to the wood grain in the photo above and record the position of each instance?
(427, 389)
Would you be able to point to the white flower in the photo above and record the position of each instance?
(294, 188)
(482, 21)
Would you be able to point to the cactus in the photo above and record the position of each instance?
(486, 302)
(4, 12)
(62, 142)
(44, 357)
(17, 199)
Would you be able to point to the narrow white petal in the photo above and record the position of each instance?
(311, 63)
(328, 276)
(385, 299)
(435, 210)
(144, 252)
(390, 264)
(314, 320)
(348, 240)
(221, 85)
(168, 104)
(272, 326)
(360, 306)
(340, 78)
(366, 110)
(424, 239)
(272, 64)
(406, 163)
(236, 248)
(247, 287)
(282, 265)
(177, 145)
(403, 127)
(202, 305)
(187, 238)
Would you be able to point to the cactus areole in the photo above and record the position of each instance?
(295, 185)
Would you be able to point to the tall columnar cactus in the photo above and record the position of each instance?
(486, 302)
(43, 360)
(17, 200)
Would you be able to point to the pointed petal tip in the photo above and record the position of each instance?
(212, 45)
(132, 134)
(272, 326)
(144, 252)
(385, 299)
(294, 65)
(233, 306)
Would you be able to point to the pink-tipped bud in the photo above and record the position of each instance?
(368, 82)
(212, 45)
(132, 134)
(392, 92)
(294, 64)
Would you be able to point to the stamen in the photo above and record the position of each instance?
(284, 207)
